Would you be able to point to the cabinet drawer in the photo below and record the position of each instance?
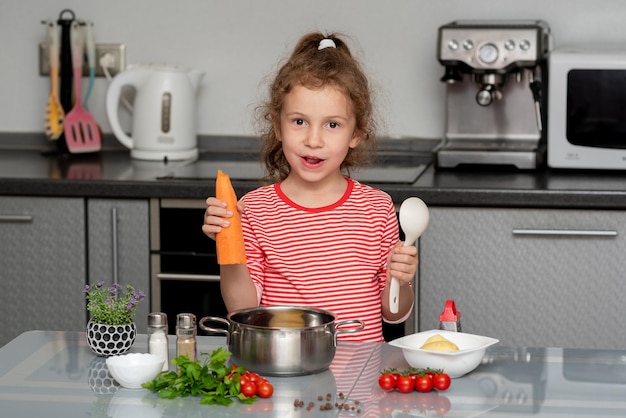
(528, 277)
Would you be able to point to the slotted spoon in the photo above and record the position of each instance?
(81, 129)
(414, 217)
(54, 110)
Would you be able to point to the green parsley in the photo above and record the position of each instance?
(211, 378)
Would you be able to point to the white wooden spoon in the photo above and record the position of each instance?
(414, 217)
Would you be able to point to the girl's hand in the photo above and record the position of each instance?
(402, 263)
(216, 216)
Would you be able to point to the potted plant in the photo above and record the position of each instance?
(111, 330)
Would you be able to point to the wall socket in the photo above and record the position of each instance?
(117, 53)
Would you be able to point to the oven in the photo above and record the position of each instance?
(184, 270)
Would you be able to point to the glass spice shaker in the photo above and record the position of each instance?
(157, 337)
(186, 342)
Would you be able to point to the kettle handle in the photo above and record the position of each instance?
(132, 77)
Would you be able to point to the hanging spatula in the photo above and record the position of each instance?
(54, 110)
(81, 129)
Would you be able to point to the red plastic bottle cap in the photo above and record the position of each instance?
(450, 314)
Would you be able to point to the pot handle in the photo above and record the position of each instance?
(350, 330)
(215, 330)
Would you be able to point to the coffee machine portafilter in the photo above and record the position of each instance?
(496, 79)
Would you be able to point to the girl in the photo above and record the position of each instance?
(316, 237)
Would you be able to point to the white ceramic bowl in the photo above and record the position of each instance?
(133, 369)
(455, 363)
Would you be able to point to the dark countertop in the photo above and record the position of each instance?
(32, 171)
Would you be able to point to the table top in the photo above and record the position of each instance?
(53, 373)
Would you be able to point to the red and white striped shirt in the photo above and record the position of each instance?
(332, 257)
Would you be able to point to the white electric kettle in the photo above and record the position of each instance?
(164, 112)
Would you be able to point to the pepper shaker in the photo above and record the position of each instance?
(186, 342)
(157, 337)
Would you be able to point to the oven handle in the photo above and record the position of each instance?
(188, 277)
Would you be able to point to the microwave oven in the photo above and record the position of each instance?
(587, 108)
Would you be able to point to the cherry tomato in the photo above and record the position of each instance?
(386, 381)
(248, 389)
(265, 389)
(441, 381)
(423, 384)
(405, 384)
(395, 374)
(254, 377)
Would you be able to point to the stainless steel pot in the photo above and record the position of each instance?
(282, 340)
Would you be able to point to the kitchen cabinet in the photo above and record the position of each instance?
(42, 253)
(119, 248)
(529, 277)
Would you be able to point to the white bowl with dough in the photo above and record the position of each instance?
(455, 363)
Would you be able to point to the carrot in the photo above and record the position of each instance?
(230, 246)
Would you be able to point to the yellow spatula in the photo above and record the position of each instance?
(54, 111)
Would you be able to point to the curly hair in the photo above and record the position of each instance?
(316, 68)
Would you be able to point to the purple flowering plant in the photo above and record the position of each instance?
(112, 305)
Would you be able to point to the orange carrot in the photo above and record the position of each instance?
(230, 246)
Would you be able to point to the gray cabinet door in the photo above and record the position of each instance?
(42, 265)
(528, 277)
(118, 247)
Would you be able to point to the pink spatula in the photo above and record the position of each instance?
(81, 129)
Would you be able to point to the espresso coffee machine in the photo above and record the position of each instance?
(496, 73)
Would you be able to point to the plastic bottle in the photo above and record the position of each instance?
(186, 341)
(157, 337)
(450, 318)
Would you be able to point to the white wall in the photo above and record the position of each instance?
(237, 43)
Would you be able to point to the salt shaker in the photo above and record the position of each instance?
(157, 337)
(186, 342)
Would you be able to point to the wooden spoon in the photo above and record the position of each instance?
(414, 217)
(54, 110)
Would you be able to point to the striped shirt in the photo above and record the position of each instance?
(332, 257)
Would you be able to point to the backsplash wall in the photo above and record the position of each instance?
(238, 43)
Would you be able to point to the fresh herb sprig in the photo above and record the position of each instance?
(113, 305)
(211, 378)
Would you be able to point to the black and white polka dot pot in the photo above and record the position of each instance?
(110, 340)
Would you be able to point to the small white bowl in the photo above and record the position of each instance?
(455, 363)
(133, 369)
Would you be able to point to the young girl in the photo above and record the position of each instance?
(317, 237)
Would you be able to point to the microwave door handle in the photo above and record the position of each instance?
(189, 277)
